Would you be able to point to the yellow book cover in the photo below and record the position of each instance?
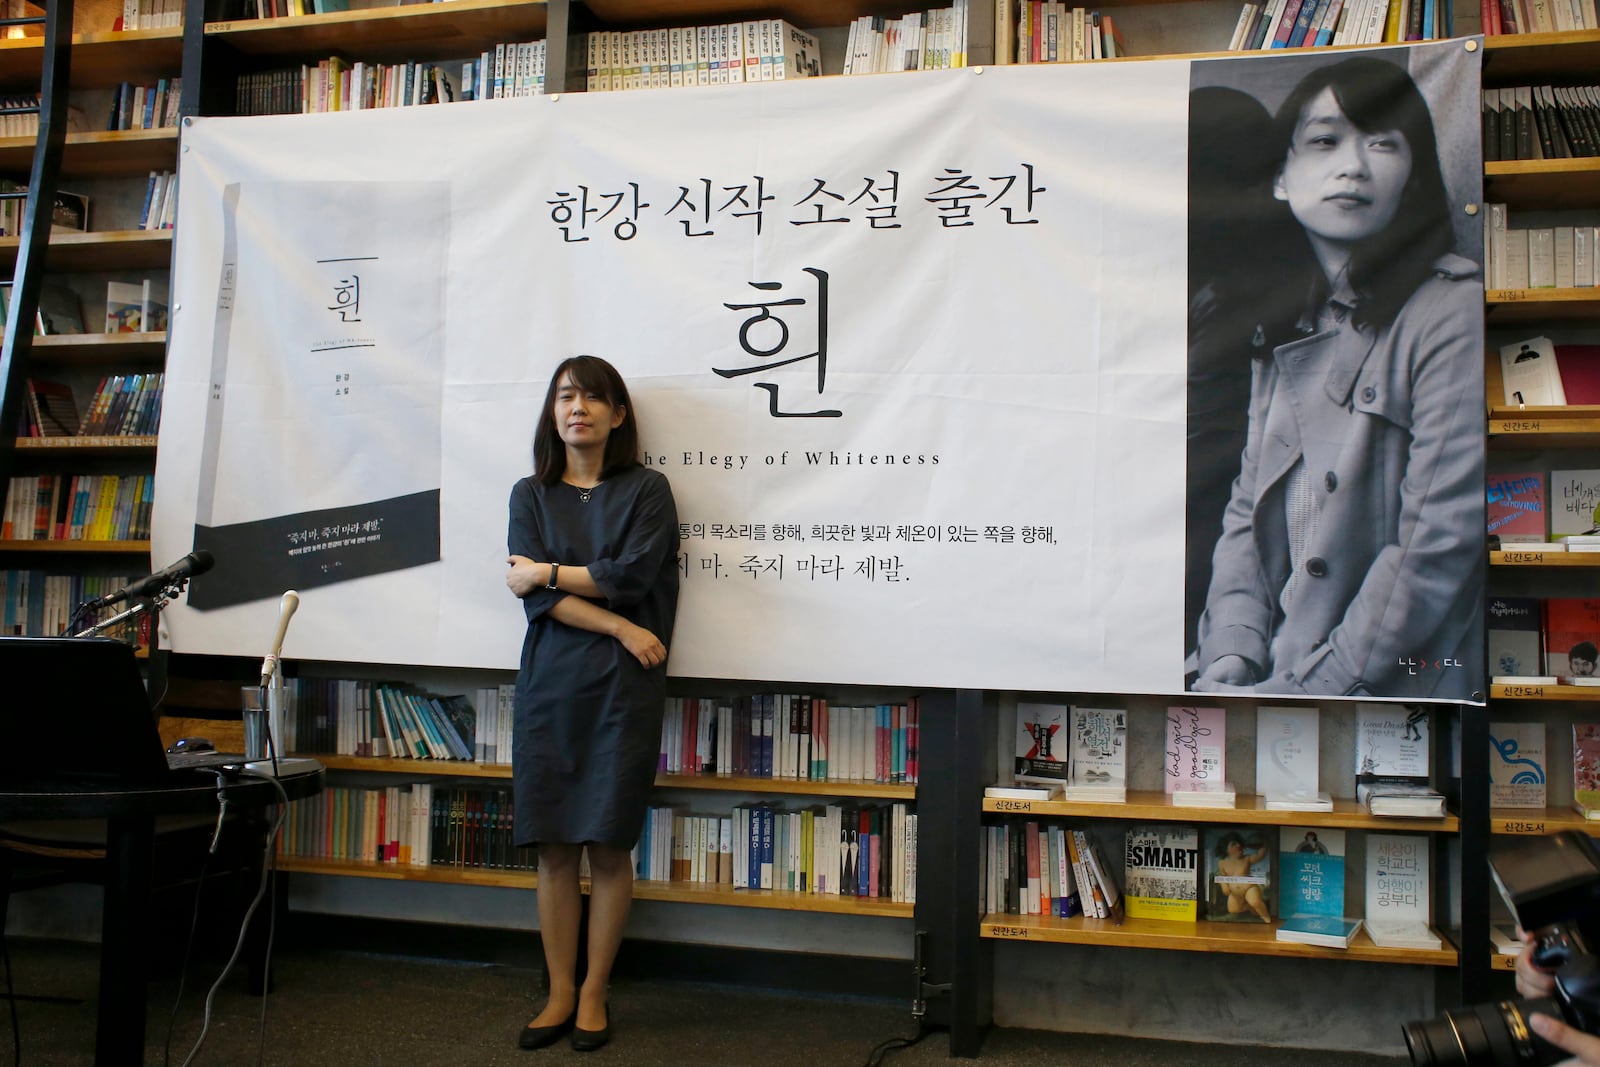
(1162, 872)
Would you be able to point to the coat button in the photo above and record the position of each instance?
(1369, 394)
(1330, 481)
(1317, 567)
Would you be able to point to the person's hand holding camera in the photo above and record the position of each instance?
(1532, 981)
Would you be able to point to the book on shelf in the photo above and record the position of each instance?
(52, 409)
(1516, 507)
(1505, 940)
(1022, 791)
(1571, 638)
(124, 307)
(1528, 369)
(1240, 885)
(1329, 931)
(1580, 364)
(1516, 765)
(1286, 760)
(1195, 764)
(1573, 497)
(1392, 761)
(1041, 743)
(1515, 631)
(60, 311)
(1161, 872)
(1397, 892)
(1311, 893)
(1097, 755)
(1586, 769)
(1108, 898)
(153, 305)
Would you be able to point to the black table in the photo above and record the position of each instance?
(130, 813)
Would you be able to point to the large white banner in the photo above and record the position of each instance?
(912, 351)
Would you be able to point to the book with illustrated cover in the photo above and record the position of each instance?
(1392, 761)
(1586, 769)
(52, 408)
(1572, 639)
(1286, 759)
(1529, 371)
(1516, 765)
(1515, 631)
(1098, 755)
(1516, 507)
(1041, 743)
(1311, 897)
(1196, 757)
(1161, 873)
(124, 307)
(1239, 882)
(1397, 892)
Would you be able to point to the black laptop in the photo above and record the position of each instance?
(75, 708)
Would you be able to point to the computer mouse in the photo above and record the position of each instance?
(191, 744)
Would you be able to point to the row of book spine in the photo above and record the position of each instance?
(418, 824)
(1541, 122)
(1538, 257)
(145, 107)
(78, 507)
(40, 604)
(381, 719)
(1052, 32)
(922, 40)
(725, 53)
(122, 405)
(1314, 23)
(838, 849)
(160, 210)
(151, 14)
(1500, 17)
(788, 735)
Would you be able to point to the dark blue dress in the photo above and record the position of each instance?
(587, 724)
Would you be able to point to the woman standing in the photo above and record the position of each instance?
(594, 558)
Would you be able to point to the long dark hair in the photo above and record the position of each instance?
(593, 375)
(1377, 95)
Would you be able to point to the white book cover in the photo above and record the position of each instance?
(1517, 765)
(1572, 500)
(1529, 372)
(1397, 891)
(1286, 753)
(1099, 749)
(1392, 740)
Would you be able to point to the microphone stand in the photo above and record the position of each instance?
(141, 606)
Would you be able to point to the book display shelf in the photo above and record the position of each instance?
(1552, 192)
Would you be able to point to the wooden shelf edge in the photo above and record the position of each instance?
(1550, 820)
(1245, 939)
(1575, 693)
(129, 547)
(130, 442)
(1535, 556)
(1153, 806)
(667, 892)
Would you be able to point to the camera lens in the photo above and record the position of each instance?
(1484, 1035)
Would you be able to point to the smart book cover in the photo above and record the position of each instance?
(321, 449)
(1162, 869)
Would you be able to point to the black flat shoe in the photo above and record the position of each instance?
(590, 1040)
(533, 1037)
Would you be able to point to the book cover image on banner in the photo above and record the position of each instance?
(1335, 501)
(320, 458)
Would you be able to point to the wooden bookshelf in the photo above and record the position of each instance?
(394, 34)
(1539, 821)
(1242, 939)
(102, 250)
(1542, 183)
(1152, 806)
(76, 547)
(99, 60)
(101, 154)
(698, 782)
(1534, 556)
(1510, 57)
(1501, 962)
(643, 889)
(1506, 306)
(117, 348)
(1537, 691)
(125, 444)
(1538, 427)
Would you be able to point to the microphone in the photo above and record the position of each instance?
(197, 562)
(286, 610)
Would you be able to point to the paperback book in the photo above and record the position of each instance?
(1161, 879)
(1573, 496)
(1397, 892)
(1529, 371)
(1514, 630)
(1196, 754)
(1572, 639)
(1099, 755)
(1239, 882)
(1311, 897)
(1041, 743)
(1515, 507)
(1516, 765)
(1286, 760)
(1392, 761)
(1586, 769)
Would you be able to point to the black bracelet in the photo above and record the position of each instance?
(555, 568)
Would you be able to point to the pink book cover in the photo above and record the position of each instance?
(1516, 508)
(1586, 764)
(1196, 743)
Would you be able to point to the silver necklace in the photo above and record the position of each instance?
(583, 494)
